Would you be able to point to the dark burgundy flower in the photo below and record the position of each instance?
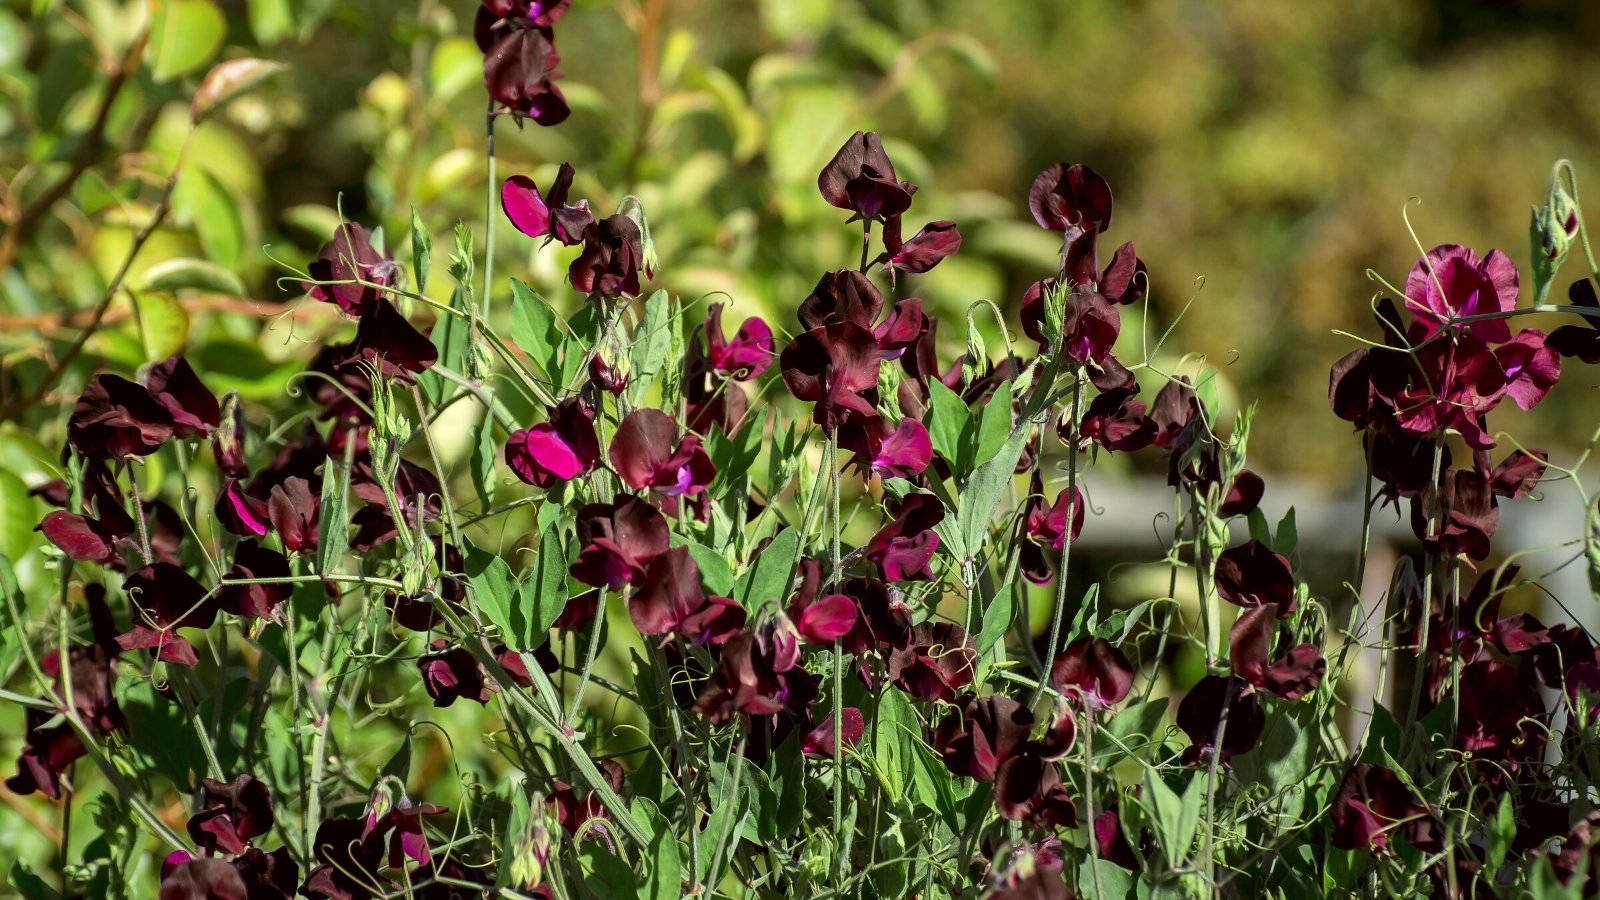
(647, 452)
(833, 366)
(1580, 341)
(407, 838)
(842, 296)
(268, 876)
(91, 668)
(293, 510)
(1463, 519)
(538, 13)
(255, 601)
(451, 674)
(883, 621)
(46, 754)
(519, 68)
(936, 665)
(558, 450)
(1450, 282)
(1372, 804)
(351, 855)
(926, 249)
(579, 611)
(165, 598)
(1244, 494)
(748, 679)
(1519, 473)
(345, 260)
(201, 878)
(670, 591)
(1176, 409)
(1252, 575)
(613, 251)
(885, 450)
(231, 814)
(1116, 421)
(819, 740)
(1094, 672)
(981, 734)
(1200, 716)
(85, 538)
(618, 541)
(713, 622)
(1291, 675)
(385, 339)
(1089, 327)
(1067, 198)
(820, 621)
(1125, 278)
(193, 407)
(115, 417)
(903, 549)
(861, 179)
(549, 216)
(1028, 788)
(1112, 842)
(1531, 367)
(241, 513)
(747, 355)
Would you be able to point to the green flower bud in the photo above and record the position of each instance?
(976, 363)
(1055, 315)
(1551, 232)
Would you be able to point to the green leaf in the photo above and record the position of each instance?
(1174, 815)
(665, 877)
(172, 275)
(543, 595)
(333, 519)
(534, 329)
(1119, 624)
(19, 513)
(994, 425)
(163, 325)
(1133, 727)
(185, 34)
(947, 421)
(1259, 529)
(893, 756)
(1502, 828)
(788, 785)
(981, 494)
(12, 635)
(997, 619)
(399, 764)
(494, 590)
(648, 352)
(452, 336)
(208, 205)
(604, 875)
(421, 252)
(734, 456)
(484, 456)
(270, 20)
(714, 572)
(769, 576)
(1286, 539)
(29, 886)
(1115, 882)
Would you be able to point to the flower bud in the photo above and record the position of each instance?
(976, 363)
(1551, 231)
(889, 378)
(1055, 315)
(227, 442)
(390, 428)
(609, 367)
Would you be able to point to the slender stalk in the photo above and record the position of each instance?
(1066, 545)
(489, 218)
(714, 873)
(1088, 800)
(1211, 798)
(1421, 673)
(588, 662)
(838, 667)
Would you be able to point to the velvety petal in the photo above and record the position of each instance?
(80, 538)
(1297, 672)
(1531, 367)
(819, 741)
(828, 619)
(671, 590)
(905, 452)
(1244, 494)
(293, 509)
(115, 417)
(1094, 670)
(258, 601)
(927, 248)
(240, 513)
(1066, 197)
(519, 198)
(1519, 473)
(1252, 575)
(194, 408)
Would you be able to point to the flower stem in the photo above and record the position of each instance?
(1066, 545)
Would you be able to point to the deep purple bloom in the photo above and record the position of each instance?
(926, 249)
(293, 510)
(902, 549)
(1115, 420)
(386, 339)
(1200, 715)
(1094, 672)
(194, 408)
(670, 591)
(842, 296)
(861, 179)
(352, 856)
(115, 417)
(1531, 367)
(618, 541)
(1519, 473)
(1464, 518)
(1243, 496)
(888, 451)
(558, 450)
(201, 878)
(612, 254)
(647, 452)
(936, 665)
(519, 66)
(231, 814)
(1450, 282)
(165, 598)
(348, 258)
(1291, 675)
(835, 367)
(1371, 804)
(256, 601)
(819, 740)
(1251, 575)
(450, 674)
(1064, 198)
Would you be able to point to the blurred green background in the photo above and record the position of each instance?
(1265, 147)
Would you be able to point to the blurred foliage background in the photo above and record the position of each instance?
(1267, 148)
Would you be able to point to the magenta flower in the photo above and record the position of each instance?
(820, 739)
(618, 541)
(860, 179)
(747, 355)
(558, 450)
(1457, 382)
(231, 814)
(550, 216)
(1450, 282)
(1531, 367)
(647, 452)
(898, 451)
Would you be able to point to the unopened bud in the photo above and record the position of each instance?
(889, 379)
(227, 442)
(1055, 315)
(389, 426)
(609, 367)
(530, 855)
(633, 209)
(976, 363)
(1551, 232)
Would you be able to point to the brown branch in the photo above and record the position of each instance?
(87, 155)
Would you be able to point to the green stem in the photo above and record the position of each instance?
(1066, 545)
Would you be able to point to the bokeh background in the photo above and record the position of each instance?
(1264, 155)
